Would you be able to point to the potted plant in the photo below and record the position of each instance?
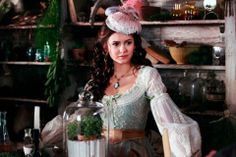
(83, 128)
(89, 128)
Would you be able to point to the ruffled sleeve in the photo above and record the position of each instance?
(184, 132)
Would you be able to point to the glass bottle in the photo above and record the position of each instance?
(198, 92)
(46, 51)
(83, 128)
(30, 54)
(39, 55)
(28, 145)
(184, 88)
(215, 92)
(5, 143)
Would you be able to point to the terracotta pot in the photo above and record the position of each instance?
(84, 138)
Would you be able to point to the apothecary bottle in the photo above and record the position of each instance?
(184, 88)
(198, 92)
(83, 128)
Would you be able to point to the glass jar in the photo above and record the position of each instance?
(83, 128)
(215, 92)
(184, 88)
(198, 92)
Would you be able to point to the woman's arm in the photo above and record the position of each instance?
(184, 132)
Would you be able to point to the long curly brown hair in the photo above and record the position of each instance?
(102, 64)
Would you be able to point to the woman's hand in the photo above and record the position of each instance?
(211, 153)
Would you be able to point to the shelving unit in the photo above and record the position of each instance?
(161, 29)
(18, 65)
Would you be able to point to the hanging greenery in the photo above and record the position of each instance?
(48, 27)
(49, 30)
(57, 80)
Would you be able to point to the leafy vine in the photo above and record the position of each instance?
(56, 76)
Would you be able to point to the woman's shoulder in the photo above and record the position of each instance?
(148, 70)
(147, 73)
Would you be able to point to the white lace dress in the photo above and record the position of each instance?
(130, 111)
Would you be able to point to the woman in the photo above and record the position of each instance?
(129, 87)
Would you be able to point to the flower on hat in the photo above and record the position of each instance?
(123, 19)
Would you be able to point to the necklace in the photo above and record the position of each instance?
(117, 83)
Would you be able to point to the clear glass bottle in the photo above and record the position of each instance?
(39, 56)
(83, 128)
(28, 145)
(198, 92)
(184, 88)
(5, 142)
(30, 54)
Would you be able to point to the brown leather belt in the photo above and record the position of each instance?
(119, 135)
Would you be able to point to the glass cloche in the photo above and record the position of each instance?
(83, 128)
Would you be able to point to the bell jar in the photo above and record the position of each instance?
(83, 128)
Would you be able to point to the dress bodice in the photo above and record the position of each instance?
(128, 111)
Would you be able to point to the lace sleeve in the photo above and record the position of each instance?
(184, 133)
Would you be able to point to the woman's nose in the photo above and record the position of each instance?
(123, 48)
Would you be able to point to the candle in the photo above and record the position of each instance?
(36, 117)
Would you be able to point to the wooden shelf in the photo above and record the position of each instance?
(164, 23)
(23, 100)
(173, 67)
(184, 22)
(13, 26)
(193, 31)
(189, 67)
(24, 63)
(205, 113)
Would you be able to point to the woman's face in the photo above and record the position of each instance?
(121, 47)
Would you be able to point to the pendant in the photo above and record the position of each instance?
(116, 85)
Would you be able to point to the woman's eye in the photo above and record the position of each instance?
(115, 44)
(129, 42)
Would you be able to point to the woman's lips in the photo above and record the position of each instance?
(124, 56)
